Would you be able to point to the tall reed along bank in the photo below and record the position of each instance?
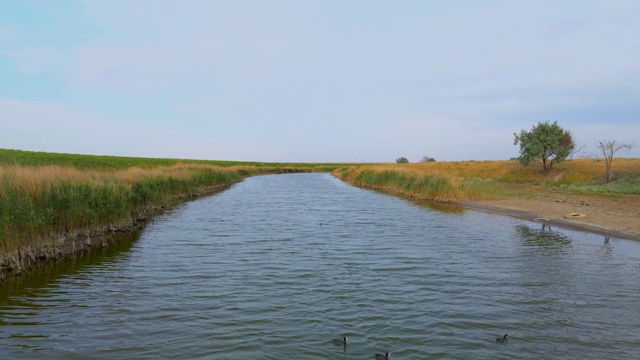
(52, 205)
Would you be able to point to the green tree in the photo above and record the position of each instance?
(546, 142)
(402, 160)
(427, 159)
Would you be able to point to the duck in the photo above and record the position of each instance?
(383, 357)
(342, 341)
(502, 339)
(606, 240)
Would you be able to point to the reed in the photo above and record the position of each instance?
(40, 203)
(434, 187)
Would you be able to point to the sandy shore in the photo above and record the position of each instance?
(616, 217)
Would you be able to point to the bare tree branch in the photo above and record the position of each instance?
(608, 148)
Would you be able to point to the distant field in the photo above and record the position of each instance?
(32, 158)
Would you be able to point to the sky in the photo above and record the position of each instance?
(315, 81)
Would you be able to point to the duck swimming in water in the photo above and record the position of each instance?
(382, 357)
(502, 339)
(342, 341)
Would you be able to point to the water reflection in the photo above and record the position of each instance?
(545, 240)
(447, 208)
(453, 209)
(607, 248)
(44, 275)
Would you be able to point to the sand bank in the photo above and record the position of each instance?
(609, 216)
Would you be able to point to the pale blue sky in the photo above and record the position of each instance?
(312, 81)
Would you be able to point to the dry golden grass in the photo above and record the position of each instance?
(495, 179)
(32, 180)
(38, 201)
(573, 171)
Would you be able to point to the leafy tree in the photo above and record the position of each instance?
(608, 148)
(427, 159)
(402, 160)
(546, 142)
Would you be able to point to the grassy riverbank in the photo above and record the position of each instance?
(473, 180)
(48, 200)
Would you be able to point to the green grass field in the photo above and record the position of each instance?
(33, 158)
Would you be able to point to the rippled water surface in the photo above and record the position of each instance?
(278, 265)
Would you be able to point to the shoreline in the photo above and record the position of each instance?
(617, 217)
(603, 220)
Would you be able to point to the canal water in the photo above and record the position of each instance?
(278, 265)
